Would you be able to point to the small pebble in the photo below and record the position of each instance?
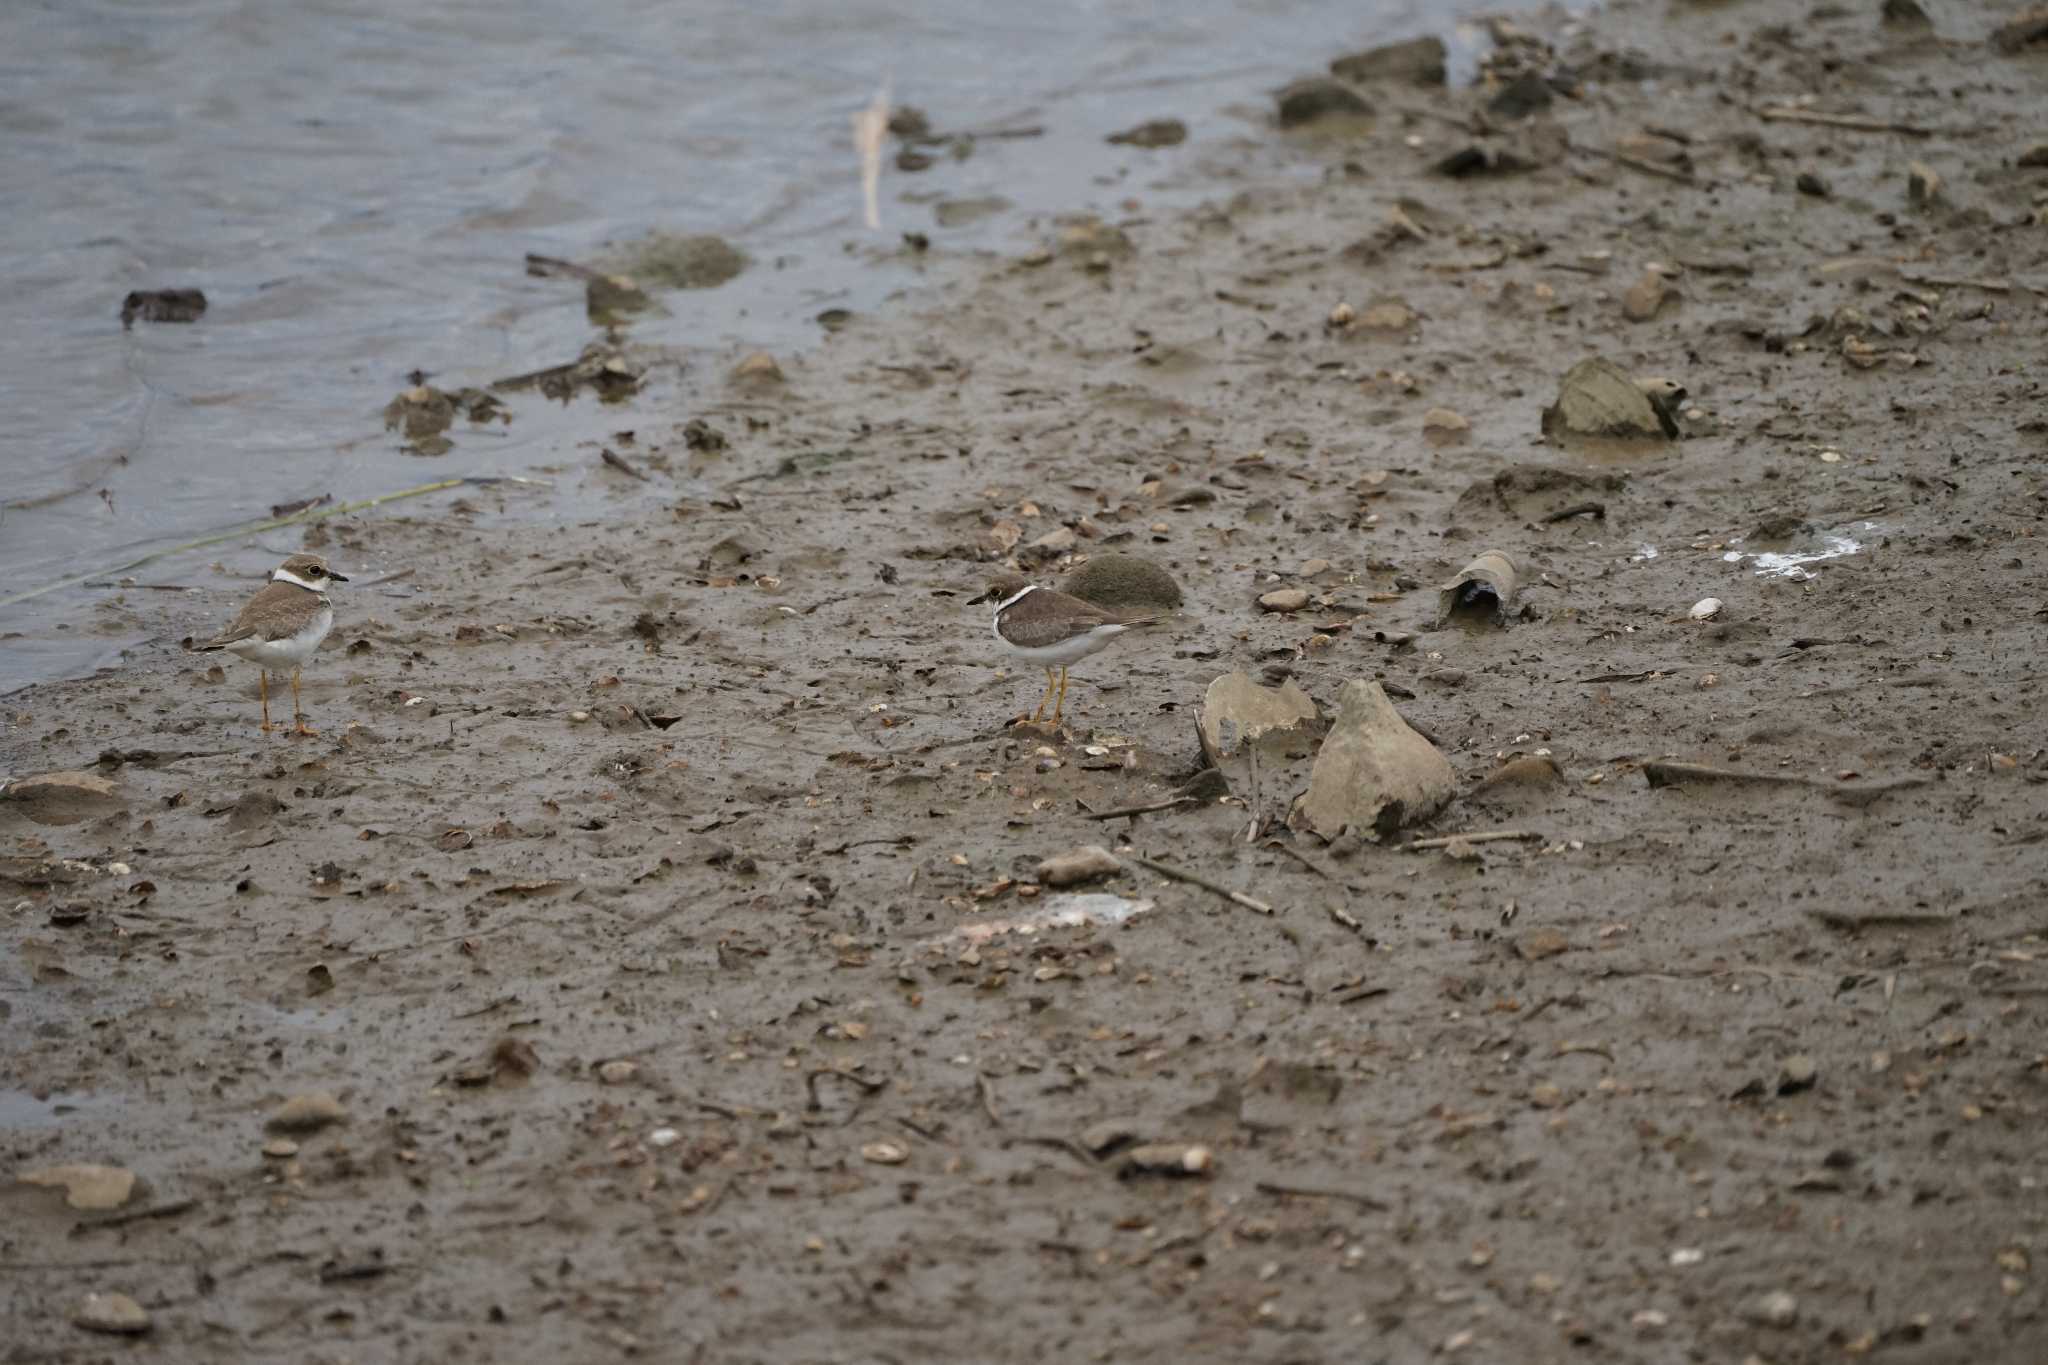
(307, 1113)
(663, 1137)
(617, 1071)
(113, 1313)
(1706, 609)
(1284, 599)
(1775, 1309)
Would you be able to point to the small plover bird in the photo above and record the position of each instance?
(1053, 630)
(281, 627)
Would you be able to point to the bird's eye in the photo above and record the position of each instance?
(316, 572)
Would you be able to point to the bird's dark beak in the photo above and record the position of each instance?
(988, 596)
(337, 577)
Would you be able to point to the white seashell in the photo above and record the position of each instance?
(1706, 609)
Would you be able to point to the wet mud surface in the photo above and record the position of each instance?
(633, 909)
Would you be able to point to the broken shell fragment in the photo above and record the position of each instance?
(1168, 1158)
(1490, 580)
(1706, 609)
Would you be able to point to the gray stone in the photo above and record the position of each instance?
(1083, 864)
(1923, 185)
(1318, 97)
(86, 1186)
(1237, 711)
(307, 1113)
(1775, 1309)
(1600, 399)
(1419, 61)
(116, 1314)
(1373, 773)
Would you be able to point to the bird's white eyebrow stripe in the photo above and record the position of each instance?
(1014, 598)
(283, 577)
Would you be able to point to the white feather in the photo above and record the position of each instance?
(292, 650)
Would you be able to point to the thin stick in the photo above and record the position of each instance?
(1302, 858)
(176, 1206)
(1145, 809)
(1181, 874)
(1446, 840)
(555, 265)
(1780, 113)
(1578, 509)
(988, 1098)
(1878, 919)
(1364, 1201)
(621, 463)
(1636, 163)
(1954, 282)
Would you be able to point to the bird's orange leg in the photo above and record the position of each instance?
(299, 726)
(263, 692)
(1060, 705)
(1044, 699)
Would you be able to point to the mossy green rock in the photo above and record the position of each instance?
(1123, 581)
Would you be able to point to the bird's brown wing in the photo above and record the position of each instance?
(272, 614)
(1046, 618)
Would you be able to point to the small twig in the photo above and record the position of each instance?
(1064, 1144)
(1842, 919)
(1660, 773)
(1462, 124)
(555, 265)
(621, 463)
(811, 1080)
(1310, 863)
(1251, 758)
(1636, 163)
(1578, 509)
(900, 840)
(1364, 1201)
(1181, 874)
(1446, 840)
(1953, 282)
(174, 1207)
(1346, 918)
(1145, 809)
(1781, 113)
(400, 576)
(988, 1098)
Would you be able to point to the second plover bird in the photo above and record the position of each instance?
(281, 627)
(1053, 630)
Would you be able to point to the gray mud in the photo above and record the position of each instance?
(700, 787)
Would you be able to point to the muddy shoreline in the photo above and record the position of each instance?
(625, 914)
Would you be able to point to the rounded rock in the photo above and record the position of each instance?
(1284, 599)
(307, 1113)
(1123, 581)
(116, 1314)
(1775, 1309)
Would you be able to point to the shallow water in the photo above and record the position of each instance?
(354, 186)
(1793, 564)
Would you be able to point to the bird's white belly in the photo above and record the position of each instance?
(1066, 652)
(290, 652)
